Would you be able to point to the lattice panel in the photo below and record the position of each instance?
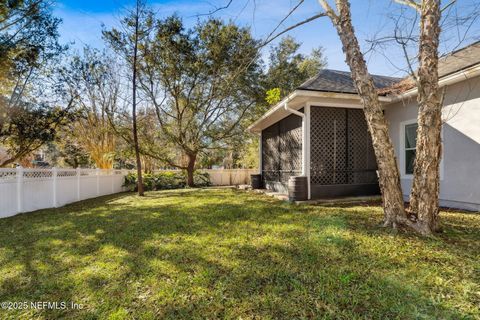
(341, 148)
(328, 146)
(66, 173)
(7, 174)
(282, 149)
(37, 174)
(88, 172)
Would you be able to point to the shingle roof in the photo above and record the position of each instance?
(329, 80)
(340, 81)
(459, 60)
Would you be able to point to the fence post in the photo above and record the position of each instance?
(112, 177)
(78, 183)
(98, 181)
(54, 186)
(19, 177)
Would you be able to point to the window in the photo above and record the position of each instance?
(410, 140)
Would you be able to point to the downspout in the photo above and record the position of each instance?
(305, 136)
(298, 113)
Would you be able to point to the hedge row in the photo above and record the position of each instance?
(166, 180)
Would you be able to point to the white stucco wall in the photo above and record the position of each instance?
(460, 168)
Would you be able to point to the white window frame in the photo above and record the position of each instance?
(403, 174)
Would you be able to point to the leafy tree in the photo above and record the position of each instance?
(288, 68)
(29, 53)
(201, 83)
(73, 154)
(28, 43)
(25, 128)
(273, 96)
(248, 154)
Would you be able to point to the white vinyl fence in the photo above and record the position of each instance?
(24, 190)
(229, 177)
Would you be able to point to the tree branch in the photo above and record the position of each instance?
(411, 3)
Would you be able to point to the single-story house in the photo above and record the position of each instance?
(319, 132)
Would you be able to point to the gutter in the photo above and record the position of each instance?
(453, 78)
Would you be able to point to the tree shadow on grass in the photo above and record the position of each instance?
(202, 253)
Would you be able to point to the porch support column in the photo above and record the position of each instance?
(306, 146)
(260, 151)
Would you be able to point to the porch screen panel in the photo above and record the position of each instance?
(282, 149)
(290, 147)
(271, 153)
(361, 158)
(341, 148)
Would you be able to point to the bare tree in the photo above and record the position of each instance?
(389, 176)
(134, 101)
(126, 41)
(93, 78)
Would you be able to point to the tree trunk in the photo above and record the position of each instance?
(191, 169)
(425, 188)
(389, 177)
(134, 106)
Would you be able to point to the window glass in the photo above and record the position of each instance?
(410, 135)
(410, 143)
(409, 160)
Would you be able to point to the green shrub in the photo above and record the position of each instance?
(166, 180)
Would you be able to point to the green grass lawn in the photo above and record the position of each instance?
(221, 253)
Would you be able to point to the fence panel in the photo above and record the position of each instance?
(229, 177)
(118, 180)
(8, 192)
(25, 190)
(88, 184)
(38, 188)
(105, 183)
(67, 187)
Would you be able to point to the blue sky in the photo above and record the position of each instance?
(83, 20)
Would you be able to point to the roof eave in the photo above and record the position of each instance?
(267, 114)
(256, 126)
(452, 78)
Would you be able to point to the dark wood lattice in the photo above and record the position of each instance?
(282, 150)
(341, 148)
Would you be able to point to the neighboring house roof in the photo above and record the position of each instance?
(328, 80)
